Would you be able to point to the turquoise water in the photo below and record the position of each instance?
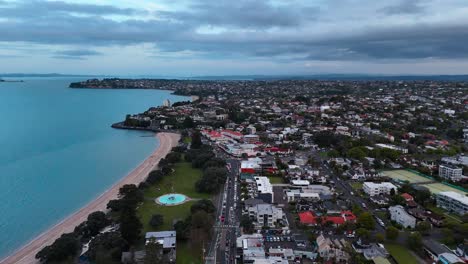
(58, 152)
(172, 198)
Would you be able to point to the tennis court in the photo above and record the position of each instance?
(435, 188)
(404, 175)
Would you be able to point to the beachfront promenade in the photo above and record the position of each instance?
(26, 255)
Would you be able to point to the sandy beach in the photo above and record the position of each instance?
(26, 254)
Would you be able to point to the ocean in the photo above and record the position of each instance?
(58, 151)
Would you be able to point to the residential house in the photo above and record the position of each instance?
(399, 215)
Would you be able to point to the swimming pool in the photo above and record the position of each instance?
(171, 199)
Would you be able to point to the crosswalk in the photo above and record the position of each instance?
(225, 226)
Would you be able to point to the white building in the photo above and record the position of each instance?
(265, 214)
(388, 146)
(453, 202)
(264, 186)
(167, 103)
(399, 215)
(450, 172)
(373, 189)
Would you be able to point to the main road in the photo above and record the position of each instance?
(223, 245)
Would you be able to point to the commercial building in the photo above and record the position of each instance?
(450, 172)
(399, 215)
(266, 215)
(373, 189)
(453, 202)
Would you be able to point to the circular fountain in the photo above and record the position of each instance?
(171, 199)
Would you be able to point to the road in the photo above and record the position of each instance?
(223, 245)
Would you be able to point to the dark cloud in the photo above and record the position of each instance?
(75, 54)
(38, 8)
(404, 7)
(251, 14)
(251, 29)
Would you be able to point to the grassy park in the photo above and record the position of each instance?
(401, 254)
(181, 180)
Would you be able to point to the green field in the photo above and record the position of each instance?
(401, 254)
(357, 186)
(275, 180)
(182, 180)
(404, 175)
(435, 188)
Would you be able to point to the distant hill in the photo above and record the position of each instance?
(344, 77)
(21, 75)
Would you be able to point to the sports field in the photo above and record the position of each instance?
(404, 175)
(439, 187)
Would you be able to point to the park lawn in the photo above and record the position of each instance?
(187, 254)
(275, 180)
(401, 254)
(182, 180)
(187, 140)
(357, 186)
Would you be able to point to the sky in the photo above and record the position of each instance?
(234, 37)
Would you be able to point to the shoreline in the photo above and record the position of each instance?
(26, 254)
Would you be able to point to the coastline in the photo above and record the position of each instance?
(26, 254)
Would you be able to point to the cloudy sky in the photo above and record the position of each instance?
(229, 37)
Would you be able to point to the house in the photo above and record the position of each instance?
(450, 172)
(167, 239)
(440, 253)
(409, 200)
(370, 250)
(399, 215)
(372, 188)
(309, 218)
(453, 202)
(329, 250)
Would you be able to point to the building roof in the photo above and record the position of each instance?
(455, 196)
(166, 238)
(434, 247)
(311, 219)
(407, 196)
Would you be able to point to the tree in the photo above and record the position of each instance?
(64, 248)
(202, 220)
(363, 233)
(196, 140)
(247, 224)
(357, 153)
(156, 220)
(366, 221)
(130, 225)
(392, 233)
(397, 200)
(414, 241)
(155, 176)
(107, 245)
(182, 229)
(204, 205)
(379, 237)
(154, 252)
(188, 122)
(211, 180)
(423, 227)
